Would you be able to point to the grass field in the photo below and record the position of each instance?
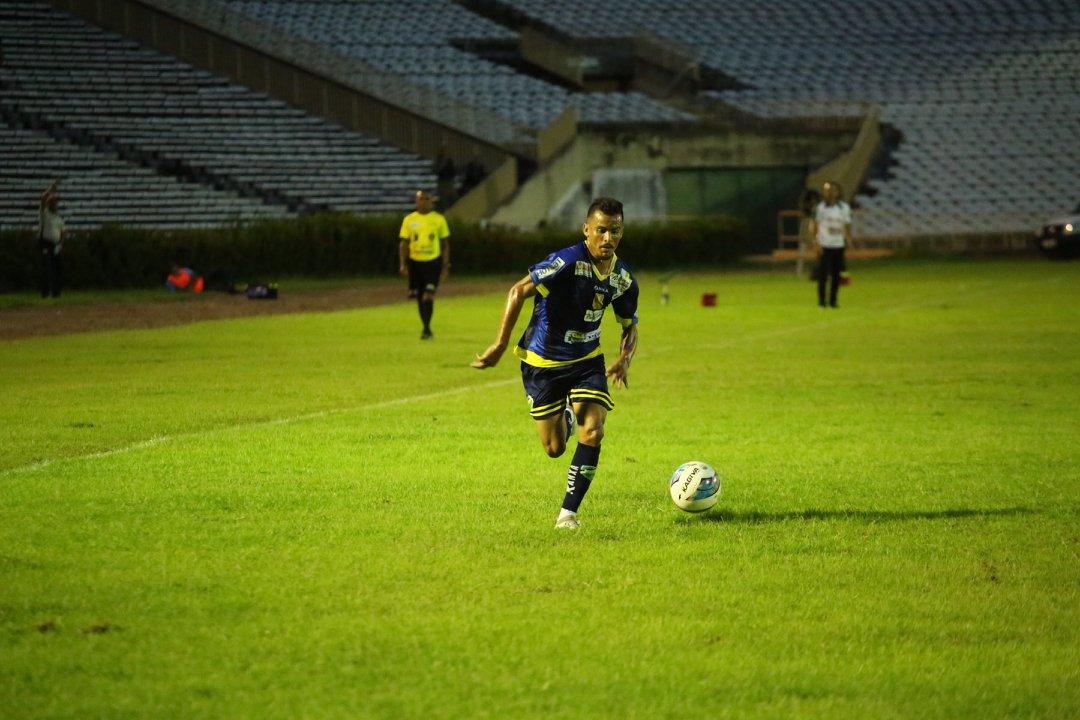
(319, 516)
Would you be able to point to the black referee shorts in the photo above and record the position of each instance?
(424, 276)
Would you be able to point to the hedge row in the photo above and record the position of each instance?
(335, 245)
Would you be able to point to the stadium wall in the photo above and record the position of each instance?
(480, 202)
(667, 149)
(849, 168)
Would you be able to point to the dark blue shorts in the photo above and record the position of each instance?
(547, 389)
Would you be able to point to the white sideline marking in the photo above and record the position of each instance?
(161, 439)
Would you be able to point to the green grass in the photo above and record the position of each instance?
(320, 516)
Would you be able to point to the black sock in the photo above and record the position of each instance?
(580, 476)
(427, 309)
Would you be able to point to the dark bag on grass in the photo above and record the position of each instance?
(258, 291)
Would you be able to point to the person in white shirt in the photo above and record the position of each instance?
(830, 226)
(50, 241)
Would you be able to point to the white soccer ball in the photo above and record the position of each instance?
(695, 487)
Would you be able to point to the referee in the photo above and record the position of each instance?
(424, 252)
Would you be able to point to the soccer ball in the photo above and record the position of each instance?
(695, 487)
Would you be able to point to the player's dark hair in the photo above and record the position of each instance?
(606, 205)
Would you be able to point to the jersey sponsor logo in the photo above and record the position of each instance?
(548, 271)
(597, 311)
(621, 282)
(576, 336)
(583, 268)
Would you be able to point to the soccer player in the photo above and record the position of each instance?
(560, 354)
(424, 252)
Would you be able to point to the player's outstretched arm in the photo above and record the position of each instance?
(515, 300)
(620, 369)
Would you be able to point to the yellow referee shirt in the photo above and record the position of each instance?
(425, 233)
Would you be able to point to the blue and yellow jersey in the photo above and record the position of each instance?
(425, 233)
(572, 297)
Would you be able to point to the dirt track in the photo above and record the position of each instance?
(59, 319)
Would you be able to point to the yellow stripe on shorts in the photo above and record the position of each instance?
(549, 409)
(587, 395)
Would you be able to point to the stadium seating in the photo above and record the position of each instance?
(383, 34)
(183, 146)
(986, 93)
(99, 188)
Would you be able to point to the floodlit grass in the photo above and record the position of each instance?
(321, 516)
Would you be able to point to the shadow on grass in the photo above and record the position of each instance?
(869, 516)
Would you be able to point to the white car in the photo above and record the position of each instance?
(1060, 237)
